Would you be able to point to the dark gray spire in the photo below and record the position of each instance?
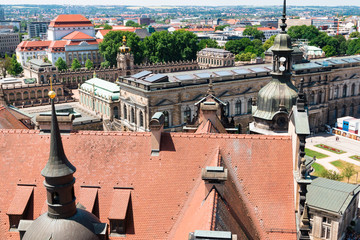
(58, 165)
(300, 101)
(283, 19)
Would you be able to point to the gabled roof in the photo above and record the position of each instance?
(67, 20)
(331, 196)
(259, 195)
(8, 120)
(76, 35)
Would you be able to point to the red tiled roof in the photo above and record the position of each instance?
(88, 197)
(67, 20)
(119, 204)
(167, 189)
(57, 46)
(199, 29)
(20, 200)
(76, 35)
(8, 120)
(33, 45)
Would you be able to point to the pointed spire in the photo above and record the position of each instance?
(210, 90)
(283, 19)
(58, 165)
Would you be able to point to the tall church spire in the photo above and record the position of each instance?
(283, 19)
(58, 173)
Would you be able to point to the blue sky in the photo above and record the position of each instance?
(187, 2)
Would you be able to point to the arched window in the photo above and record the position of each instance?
(132, 115)
(32, 94)
(166, 119)
(312, 98)
(238, 107)
(125, 112)
(12, 97)
(141, 116)
(343, 113)
(42, 79)
(227, 109)
(26, 95)
(187, 114)
(336, 92)
(39, 94)
(46, 93)
(249, 106)
(353, 89)
(344, 90)
(335, 113)
(351, 111)
(58, 92)
(319, 97)
(18, 96)
(116, 112)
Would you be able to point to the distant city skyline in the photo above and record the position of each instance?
(188, 2)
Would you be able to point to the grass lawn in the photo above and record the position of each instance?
(312, 153)
(340, 164)
(355, 157)
(318, 169)
(330, 149)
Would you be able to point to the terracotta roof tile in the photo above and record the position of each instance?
(20, 200)
(67, 20)
(87, 197)
(76, 35)
(166, 189)
(8, 120)
(119, 204)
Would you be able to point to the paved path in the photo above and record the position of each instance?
(351, 147)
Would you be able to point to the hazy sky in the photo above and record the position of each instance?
(188, 2)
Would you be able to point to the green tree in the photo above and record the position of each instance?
(221, 27)
(16, 29)
(330, 174)
(303, 32)
(254, 32)
(348, 171)
(353, 47)
(5, 64)
(268, 43)
(164, 46)
(61, 64)
(131, 23)
(89, 64)
(329, 51)
(107, 27)
(210, 43)
(105, 64)
(109, 47)
(354, 35)
(238, 46)
(75, 64)
(15, 67)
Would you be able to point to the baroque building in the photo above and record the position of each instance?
(214, 57)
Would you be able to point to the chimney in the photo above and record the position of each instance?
(214, 177)
(65, 121)
(156, 126)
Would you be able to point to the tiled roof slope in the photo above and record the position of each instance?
(259, 192)
(8, 120)
(68, 20)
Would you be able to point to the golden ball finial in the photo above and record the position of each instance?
(52, 94)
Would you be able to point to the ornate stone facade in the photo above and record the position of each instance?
(332, 90)
(214, 57)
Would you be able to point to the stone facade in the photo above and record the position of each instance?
(214, 57)
(8, 43)
(29, 95)
(323, 85)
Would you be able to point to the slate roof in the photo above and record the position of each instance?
(329, 195)
(167, 193)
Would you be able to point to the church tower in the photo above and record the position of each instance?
(125, 59)
(275, 100)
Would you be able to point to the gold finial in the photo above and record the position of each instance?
(94, 74)
(124, 40)
(51, 94)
